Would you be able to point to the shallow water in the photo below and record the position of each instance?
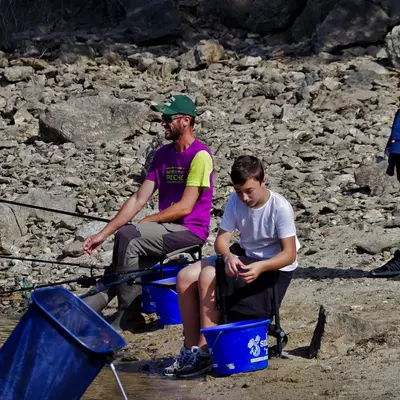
(136, 385)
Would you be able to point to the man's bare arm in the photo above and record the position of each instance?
(131, 207)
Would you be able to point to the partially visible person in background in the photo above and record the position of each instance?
(392, 267)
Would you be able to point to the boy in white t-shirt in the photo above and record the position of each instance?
(268, 239)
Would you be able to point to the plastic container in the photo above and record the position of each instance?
(148, 306)
(56, 350)
(239, 346)
(166, 302)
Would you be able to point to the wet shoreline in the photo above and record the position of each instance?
(137, 385)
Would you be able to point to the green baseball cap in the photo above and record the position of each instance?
(178, 104)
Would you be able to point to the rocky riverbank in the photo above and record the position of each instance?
(77, 134)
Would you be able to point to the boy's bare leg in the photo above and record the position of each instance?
(188, 297)
(209, 315)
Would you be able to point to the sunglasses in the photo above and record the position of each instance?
(170, 118)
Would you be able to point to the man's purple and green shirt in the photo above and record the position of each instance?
(173, 172)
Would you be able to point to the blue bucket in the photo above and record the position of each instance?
(148, 306)
(238, 347)
(56, 350)
(166, 302)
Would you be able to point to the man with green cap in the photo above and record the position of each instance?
(182, 172)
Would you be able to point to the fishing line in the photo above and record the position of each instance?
(72, 214)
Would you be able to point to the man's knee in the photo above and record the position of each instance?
(127, 233)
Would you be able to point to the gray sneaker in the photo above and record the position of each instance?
(198, 364)
(180, 360)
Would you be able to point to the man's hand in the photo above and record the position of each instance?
(231, 265)
(93, 241)
(249, 273)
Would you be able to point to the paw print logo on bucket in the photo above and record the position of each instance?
(257, 348)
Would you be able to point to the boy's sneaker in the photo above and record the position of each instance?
(199, 364)
(391, 268)
(180, 360)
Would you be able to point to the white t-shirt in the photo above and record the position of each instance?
(262, 228)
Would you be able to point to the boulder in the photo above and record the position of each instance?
(150, 20)
(17, 73)
(393, 46)
(336, 332)
(145, 19)
(75, 248)
(42, 198)
(309, 20)
(259, 16)
(346, 25)
(375, 179)
(12, 228)
(22, 18)
(92, 119)
(392, 7)
(203, 54)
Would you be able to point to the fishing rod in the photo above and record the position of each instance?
(123, 280)
(82, 280)
(87, 281)
(54, 262)
(72, 214)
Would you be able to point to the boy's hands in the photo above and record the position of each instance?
(232, 263)
(235, 268)
(249, 273)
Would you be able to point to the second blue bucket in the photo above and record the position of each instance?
(166, 302)
(148, 305)
(239, 346)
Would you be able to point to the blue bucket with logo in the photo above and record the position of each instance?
(239, 346)
(148, 306)
(166, 302)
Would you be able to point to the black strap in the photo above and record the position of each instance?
(279, 333)
(220, 288)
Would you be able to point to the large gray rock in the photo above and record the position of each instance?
(338, 331)
(16, 74)
(392, 7)
(312, 16)
(151, 19)
(315, 12)
(338, 101)
(146, 19)
(92, 119)
(346, 25)
(42, 198)
(202, 55)
(75, 248)
(259, 16)
(12, 228)
(393, 46)
(30, 17)
(375, 179)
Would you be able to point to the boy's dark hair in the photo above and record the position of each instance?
(247, 167)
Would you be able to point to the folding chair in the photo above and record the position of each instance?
(194, 251)
(274, 330)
